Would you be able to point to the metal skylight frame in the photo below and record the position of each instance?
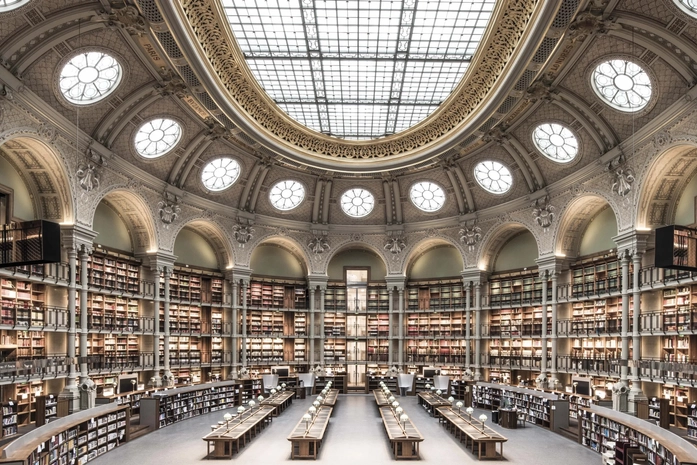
(358, 69)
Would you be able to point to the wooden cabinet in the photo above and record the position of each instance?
(113, 271)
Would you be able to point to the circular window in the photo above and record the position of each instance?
(493, 176)
(286, 195)
(157, 137)
(622, 84)
(89, 77)
(688, 6)
(357, 202)
(556, 142)
(9, 5)
(427, 196)
(220, 174)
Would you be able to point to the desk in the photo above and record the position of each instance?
(477, 436)
(230, 438)
(331, 397)
(404, 438)
(431, 402)
(306, 438)
(280, 401)
(380, 398)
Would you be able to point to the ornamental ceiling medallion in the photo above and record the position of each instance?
(510, 29)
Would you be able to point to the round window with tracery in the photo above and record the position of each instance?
(220, 174)
(157, 137)
(427, 196)
(556, 142)
(286, 195)
(622, 84)
(357, 202)
(9, 5)
(493, 176)
(89, 77)
(688, 6)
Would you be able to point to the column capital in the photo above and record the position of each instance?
(158, 261)
(474, 275)
(78, 238)
(241, 273)
(632, 242)
(315, 281)
(396, 281)
(552, 264)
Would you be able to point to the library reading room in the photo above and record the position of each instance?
(348, 231)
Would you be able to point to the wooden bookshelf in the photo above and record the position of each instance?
(692, 421)
(335, 299)
(446, 295)
(183, 318)
(164, 408)
(183, 350)
(600, 428)
(9, 419)
(77, 438)
(277, 295)
(111, 312)
(596, 276)
(22, 303)
(516, 288)
(113, 271)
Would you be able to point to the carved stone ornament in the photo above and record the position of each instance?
(88, 175)
(318, 244)
(586, 24)
(173, 86)
(169, 209)
(622, 177)
(543, 213)
(47, 132)
(395, 245)
(129, 19)
(243, 233)
(470, 235)
(662, 139)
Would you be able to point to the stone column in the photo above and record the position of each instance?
(235, 347)
(543, 338)
(157, 379)
(478, 331)
(553, 370)
(468, 325)
(312, 327)
(167, 377)
(636, 394)
(400, 344)
(245, 286)
(624, 263)
(88, 392)
(390, 322)
(322, 293)
(71, 392)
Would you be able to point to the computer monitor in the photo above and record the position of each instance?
(431, 372)
(280, 371)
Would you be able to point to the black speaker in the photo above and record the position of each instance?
(30, 243)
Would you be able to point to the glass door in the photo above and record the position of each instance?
(356, 325)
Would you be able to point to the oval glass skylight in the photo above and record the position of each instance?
(556, 142)
(688, 6)
(220, 174)
(358, 70)
(9, 5)
(157, 137)
(427, 196)
(286, 195)
(89, 77)
(622, 84)
(493, 176)
(357, 202)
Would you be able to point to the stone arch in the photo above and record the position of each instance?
(496, 238)
(663, 179)
(214, 234)
(424, 245)
(135, 212)
(287, 243)
(574, 219)
(43, 168)
(357, 244)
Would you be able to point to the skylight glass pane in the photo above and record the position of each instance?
(357, 69)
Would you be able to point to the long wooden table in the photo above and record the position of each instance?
(306, 438)
(231, 437)
(331, 398)
(380, 398)
(404, 437)
(432, 402)
(280, 401)
(477, 436)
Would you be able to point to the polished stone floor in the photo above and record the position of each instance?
(355, 436)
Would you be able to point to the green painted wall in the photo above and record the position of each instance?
(192, 249)
(519, 252)
(599, 233)
(356, 257)
(111, 228)
(22, 208)
(272, 260)
(439, 262)
(685, 212)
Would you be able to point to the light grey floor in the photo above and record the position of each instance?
(355, 436)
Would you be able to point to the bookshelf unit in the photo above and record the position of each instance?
(680, 398)
(677, 308)
(338, 383)
(111, 312)
(77, 438)
(595, 276)
(23, 303)
(9, 419)
(183, 318)
(692, 421)
(659, 411)
(113, 271)
(435, 295)
(600, 428)
(516, 289)
(682, 349)
(183, 350)
(335, 299)
(373, 382)
(30, 345)
(334, 324)
(164, 408)
(277, 295)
